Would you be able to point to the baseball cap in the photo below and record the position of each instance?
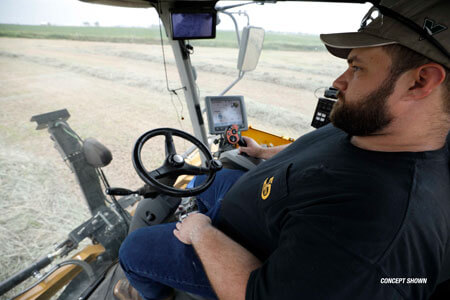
(422, 26)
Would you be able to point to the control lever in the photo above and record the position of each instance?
(242, 143)
(233, 136)
(116, 191)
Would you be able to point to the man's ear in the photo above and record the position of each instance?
(426, 79)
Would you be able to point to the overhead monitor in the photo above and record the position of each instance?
(193, 25)
(224, 111)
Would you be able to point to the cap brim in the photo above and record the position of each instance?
(340, 44)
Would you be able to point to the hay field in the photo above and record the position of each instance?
(115, 92)
(151, 35)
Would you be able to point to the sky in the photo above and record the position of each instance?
(307, 17)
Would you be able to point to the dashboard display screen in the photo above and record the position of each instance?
(224, 111)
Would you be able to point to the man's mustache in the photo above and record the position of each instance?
(340, 96)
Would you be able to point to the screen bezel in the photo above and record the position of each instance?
(209, 112)
(213, 12)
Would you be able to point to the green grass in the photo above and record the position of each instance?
(110, 34)
(273, 40)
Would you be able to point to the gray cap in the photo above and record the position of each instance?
(431, 15)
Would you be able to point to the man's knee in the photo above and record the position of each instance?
(127, 250)
(147, 246)
(134, 251)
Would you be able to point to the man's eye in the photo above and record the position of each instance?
(356, 68)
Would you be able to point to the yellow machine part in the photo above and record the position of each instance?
(47, 288)
(265, 138)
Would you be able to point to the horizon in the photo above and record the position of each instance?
(153, 26)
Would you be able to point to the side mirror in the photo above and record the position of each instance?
(250, 49)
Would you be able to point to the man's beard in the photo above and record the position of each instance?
(366, 116)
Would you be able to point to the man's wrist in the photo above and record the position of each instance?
(200, 232)
(261, 152)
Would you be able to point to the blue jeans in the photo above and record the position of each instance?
(155, 261)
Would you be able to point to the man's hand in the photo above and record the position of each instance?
(227, 264)
(189, 230)
(255, 150)
(252, 149)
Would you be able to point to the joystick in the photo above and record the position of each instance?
(233, 136)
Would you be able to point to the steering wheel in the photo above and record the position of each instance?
(174, 164)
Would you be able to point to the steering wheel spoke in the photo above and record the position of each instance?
(164, 171)
(169, 145)
(156, 174)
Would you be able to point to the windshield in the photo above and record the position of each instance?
(114, 82)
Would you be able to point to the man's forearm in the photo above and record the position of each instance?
(227, 264)
(269, 152)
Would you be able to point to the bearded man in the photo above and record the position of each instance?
(359, 209)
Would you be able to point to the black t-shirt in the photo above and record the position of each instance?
(333, 221)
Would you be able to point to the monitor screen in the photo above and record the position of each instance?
(224, 111)
(198, 25)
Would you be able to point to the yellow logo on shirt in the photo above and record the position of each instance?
(267, 186)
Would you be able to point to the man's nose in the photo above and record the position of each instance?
(340, 83)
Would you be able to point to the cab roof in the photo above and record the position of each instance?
(203, 3)
(150, 3)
